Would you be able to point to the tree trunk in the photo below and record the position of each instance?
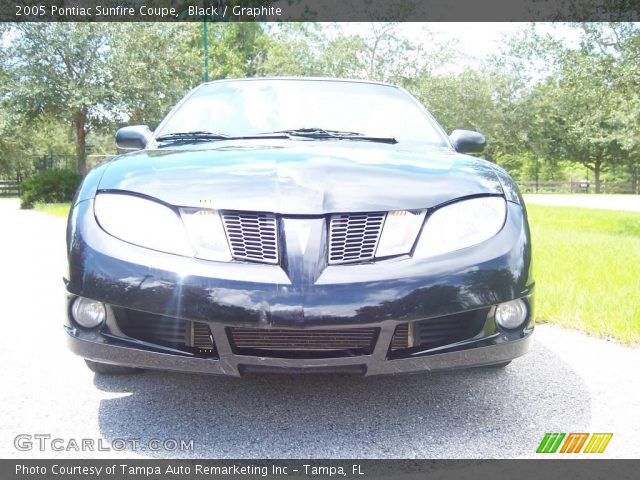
(372, 63)
(79, 122)
(597, 168)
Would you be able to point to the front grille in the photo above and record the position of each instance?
(194, 337)
(201, 337)
(400, 337)
(252, 236)
(439, 331)
(280, 342)
(354, 237)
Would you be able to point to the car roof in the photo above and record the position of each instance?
(311, 79)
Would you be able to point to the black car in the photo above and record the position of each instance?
(298, 225)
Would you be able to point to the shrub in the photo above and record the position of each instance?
(50, 186)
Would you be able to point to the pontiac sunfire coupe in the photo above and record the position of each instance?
(298, 225)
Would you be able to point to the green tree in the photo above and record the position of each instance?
(289, 49)
(311, 49)
(63, 71)
(97, 76)
(583, 107)
(152, 65)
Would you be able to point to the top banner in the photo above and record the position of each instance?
(320, 10)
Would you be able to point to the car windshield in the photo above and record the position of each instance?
(254, 107)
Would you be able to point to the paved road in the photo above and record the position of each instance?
(569, 383)
(629, 203)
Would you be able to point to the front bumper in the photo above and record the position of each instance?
(94, 347)
(302, 296)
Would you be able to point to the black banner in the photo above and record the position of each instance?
(319, 10)
(119, 469)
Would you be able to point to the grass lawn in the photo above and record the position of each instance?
(586, 266)
(57, 209)
(587, 269)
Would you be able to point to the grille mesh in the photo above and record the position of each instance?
(201, 336)
(439, 331)
(252, 236)
(401, 337)
(354, 237)
(357, 340)
(153, 328)
(435, 332)
(166, 331)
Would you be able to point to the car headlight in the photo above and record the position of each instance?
(401, 227)
(460, 225)
(151, 224)
(206, 234)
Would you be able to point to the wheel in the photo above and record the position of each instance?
(498, 365)
(108, 369)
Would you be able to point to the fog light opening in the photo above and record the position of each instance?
(511, 315)
(88, 313)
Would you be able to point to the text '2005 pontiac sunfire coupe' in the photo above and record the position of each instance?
(298, 225)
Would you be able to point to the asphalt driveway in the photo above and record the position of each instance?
(569, 383)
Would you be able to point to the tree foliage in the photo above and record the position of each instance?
(63, 71)
(585, 108)
(50, 186)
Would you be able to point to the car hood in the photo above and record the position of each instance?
(301, 176)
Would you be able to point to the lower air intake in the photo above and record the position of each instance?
(437, 332)
(303, 343)
(185, 335)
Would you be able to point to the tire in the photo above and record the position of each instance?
(108, 369)
(498, 365)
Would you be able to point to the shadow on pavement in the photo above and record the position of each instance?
(466, 413)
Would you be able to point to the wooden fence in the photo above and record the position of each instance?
(9, 188)
(581, 186)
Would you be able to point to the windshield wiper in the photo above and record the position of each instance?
(324, 133)
(321, 133)
(198, 136)
(311, 131)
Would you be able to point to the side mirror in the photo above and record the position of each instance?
(466, 141)
(135, 137)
